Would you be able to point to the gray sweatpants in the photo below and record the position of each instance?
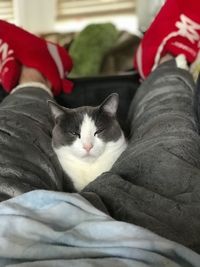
(156, 181)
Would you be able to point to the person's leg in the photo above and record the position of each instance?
(180, 35)
(27, 161)
(155, 183)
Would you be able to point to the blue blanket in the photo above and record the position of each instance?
(45, 228)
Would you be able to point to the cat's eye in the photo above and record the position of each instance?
(98, 131)
(75, 134)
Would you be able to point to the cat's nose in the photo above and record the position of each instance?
(88, 147)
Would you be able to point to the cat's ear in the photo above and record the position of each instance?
(56, 110)
(110, 104)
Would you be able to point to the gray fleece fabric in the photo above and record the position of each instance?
(156, 181)
(54, 229)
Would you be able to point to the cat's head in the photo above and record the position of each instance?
(86, 132)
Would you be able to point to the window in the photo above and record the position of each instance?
(6, 10)
(68, 9)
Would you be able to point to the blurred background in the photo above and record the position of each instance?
(101, 35)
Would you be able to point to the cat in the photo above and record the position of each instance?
(87, 140)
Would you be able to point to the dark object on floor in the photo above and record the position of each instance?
(119, 58)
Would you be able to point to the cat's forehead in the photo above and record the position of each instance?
(76, 116)
(86, 110)
(90, 116)
(88, 125)
(79, 113)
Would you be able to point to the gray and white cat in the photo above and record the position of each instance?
(87, 140)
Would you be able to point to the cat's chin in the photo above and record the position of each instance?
(89, 157)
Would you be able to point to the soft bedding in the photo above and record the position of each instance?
(149, 199)
(44, 228)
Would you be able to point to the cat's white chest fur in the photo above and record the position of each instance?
(82, 172)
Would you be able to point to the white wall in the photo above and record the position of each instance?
(36, 16)
(146, 11)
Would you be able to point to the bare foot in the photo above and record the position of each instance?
(165, 58)
(32, 75)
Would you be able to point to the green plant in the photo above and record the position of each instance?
(89, 47)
